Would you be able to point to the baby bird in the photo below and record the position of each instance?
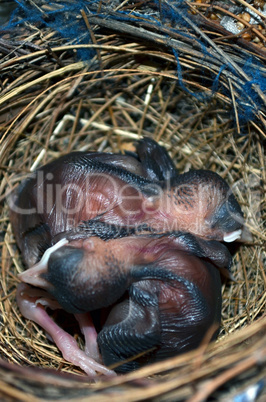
(121, 190)
(164, 290)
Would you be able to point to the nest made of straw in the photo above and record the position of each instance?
(52, 104)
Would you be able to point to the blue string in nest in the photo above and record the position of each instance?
(66, 20)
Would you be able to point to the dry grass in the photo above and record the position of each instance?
(50, 105)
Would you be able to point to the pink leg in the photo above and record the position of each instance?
(90, 335)
(32, 307)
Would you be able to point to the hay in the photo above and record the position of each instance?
(51, 104)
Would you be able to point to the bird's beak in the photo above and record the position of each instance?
(232, 236)
(242, 235)
(34, 275)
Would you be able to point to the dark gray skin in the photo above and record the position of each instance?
(163, 319)
(123, 191)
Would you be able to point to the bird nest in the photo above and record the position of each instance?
(187, 87)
